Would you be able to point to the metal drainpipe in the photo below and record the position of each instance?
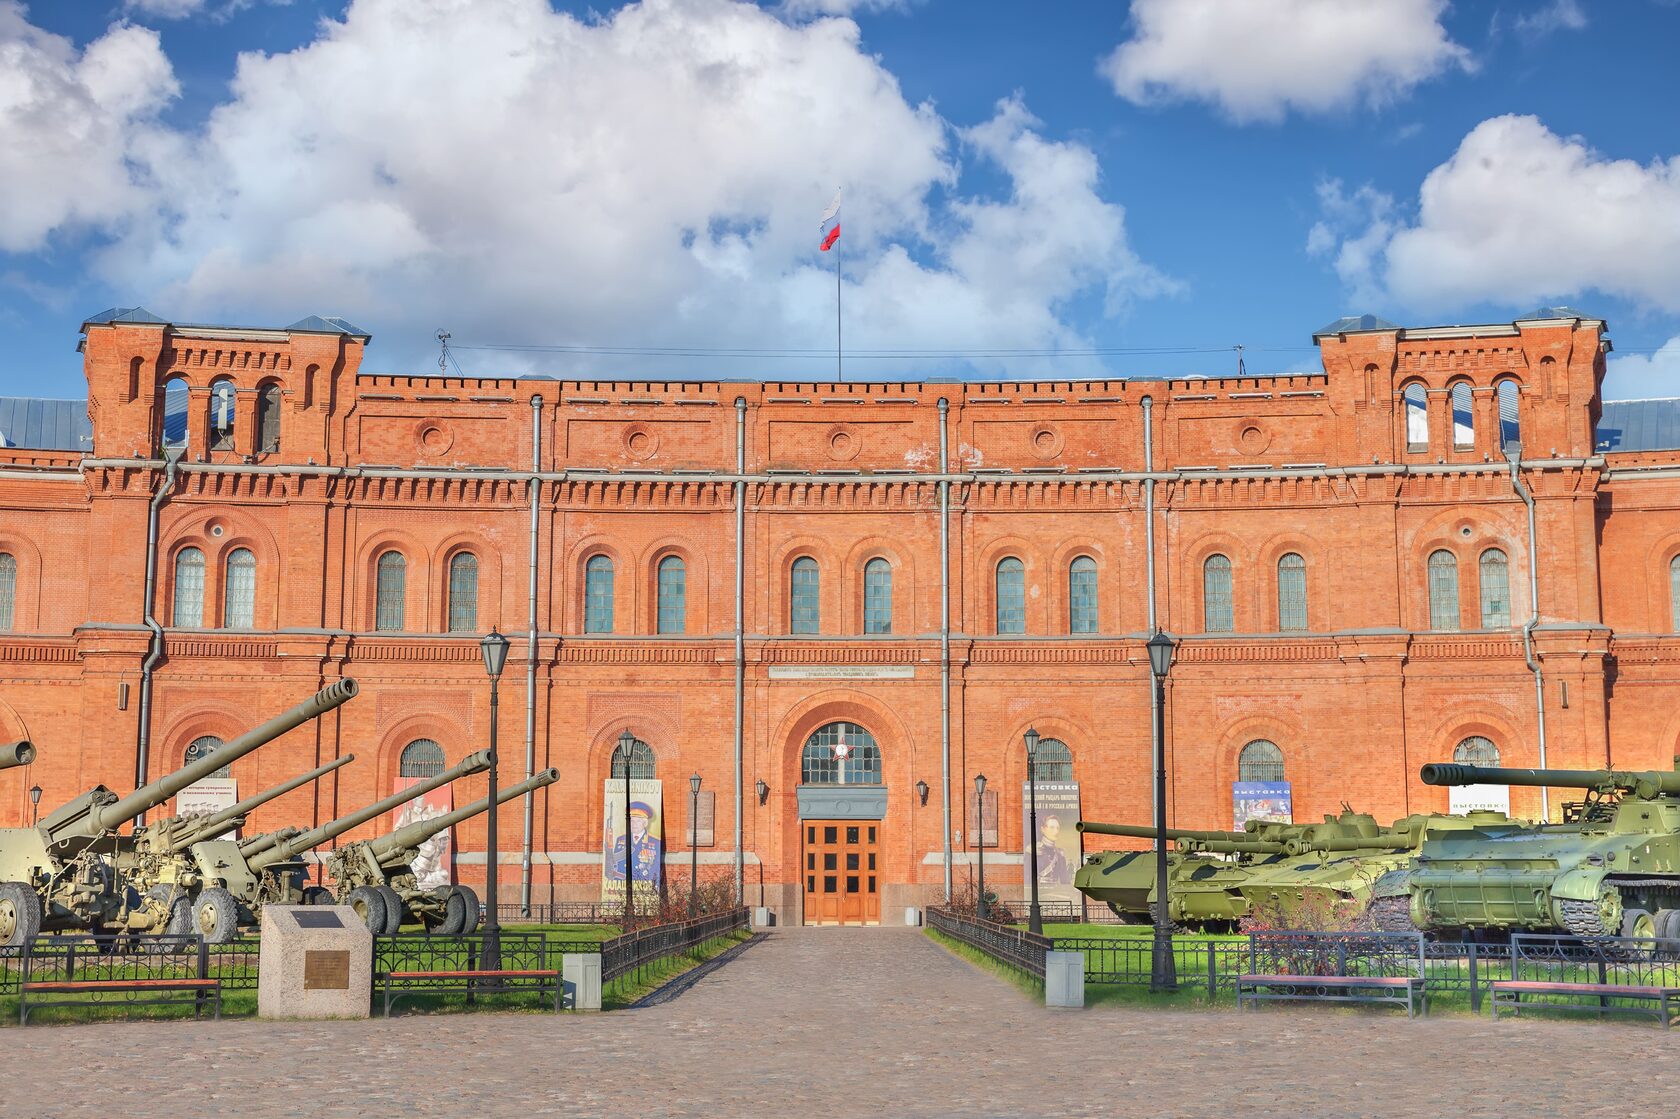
(531, 665)
(1155, 687)
(740, 640)
(1513, 453)
(945, 641)
(154, 653)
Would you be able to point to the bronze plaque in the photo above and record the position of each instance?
(326, 971)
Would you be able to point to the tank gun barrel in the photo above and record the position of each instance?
(209, 827)
(1236, 846)
(16, 754)
(1371, 843)
(1646, 783)
(412, 835)
(1137, 831)
(289, 848)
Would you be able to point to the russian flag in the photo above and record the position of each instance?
(830, 215)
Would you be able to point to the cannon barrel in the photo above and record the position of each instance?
(209, 827)
(1137, 831)
(107, 817)
(290, 848)
(259, 843)
(412, 835)
(1647, 783)
(1371, 843)
(1237, 846)
(16, 753)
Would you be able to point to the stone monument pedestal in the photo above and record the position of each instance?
(316, 962)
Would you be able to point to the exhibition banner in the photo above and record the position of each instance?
(645, 846)
(1476, 798)
(1059, 846)
(1260, 800)
(434, 865)
(206, 795)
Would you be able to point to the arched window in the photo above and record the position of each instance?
(1509, 431)
(239, 591)
(1476, 750)
(1674, 594)
(390, 607)
(1292, 593)
(804, 613)
(1053, 762)
(189, 588)
(463, 593)
(1011, 596)
(598, 595)
(1417, 418)
(8, 590)
(840, 754)
(420, 758)
(1463, 417)
(202, 747)
(673, 596)
(1496, 589)
(641, 762)
(877, 596)
(176, 399)
(1260, 760)
(1443, 590)
(221, 416)
(268, 418)
(1217, 613)
(1082, 595)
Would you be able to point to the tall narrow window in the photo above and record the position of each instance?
(641, 762)
(598, 595)
(221, 416)
(239, 591)
(673, 595)
(1218, 615)
(1476, 750)
(1674, 594)
(1496, 589)
(268, 419)
(463, 593)
(203, 747)
(1509, 431)
(1260, 760)
(1292, 593)
(189, 587)
(804, 613)
(176, 400)
(1082, 595)
(1011, 596)
(1443, 590)
(8, 590)
(877, 596)
(1417, 418)
(390, 609)
(1052, 762)
(1464, 420)
(421, 758)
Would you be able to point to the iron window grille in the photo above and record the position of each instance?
(1053, 762)
(203, 747)
(642, 762)
(1496, 589)
(1082, 595)
(1011, 596)
(804, 613)
(421, 758)
(463, 593)
(189, 588)
(1476, 750)
(1292, 593)
(239, 595)
(1218, 614)
(8, 590)
(1260, 760)
(877, 596)
(673, 595)
(1443, 590)
(392, 593)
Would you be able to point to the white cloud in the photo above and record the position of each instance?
(1258, 59)
(1643, 376)
(166, 9)
(810, 9)
(1518, 215)
(649, 178)
(72, 123)
(1559, 15)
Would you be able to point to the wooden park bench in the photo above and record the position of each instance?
(1659, 1001)
(84, 992)
(1373, 968)
(418, 963)
(400, 984)
(1409, 990)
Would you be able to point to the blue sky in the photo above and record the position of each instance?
(1060, 189)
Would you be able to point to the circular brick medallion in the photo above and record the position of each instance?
(434, 439)
(640, 443)
(843, 445)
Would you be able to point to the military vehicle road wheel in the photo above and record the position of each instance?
(1668, 924)
(445, 920)
(215, 916)
(395, 910)
(318, 895)
(369, 906)
(1638, 922)
(472, 913)
(177, 907)
(20, 914)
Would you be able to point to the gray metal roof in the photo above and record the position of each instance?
(332, 324)
(314, 324)
(45, 425)
(124, 314)
(1349, 324)
(1639, 425)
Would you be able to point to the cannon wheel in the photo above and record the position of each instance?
(448, 921)
(473, 910)
(318, 895)
(177, 907)
(215, 916)
(369, 906)
(395, 910)
(20, 914)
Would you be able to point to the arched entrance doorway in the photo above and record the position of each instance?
(841, 803)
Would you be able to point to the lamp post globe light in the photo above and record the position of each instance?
(980, 840)
(34, 804)
(495, 649)
(626, 748)
(693, 842)
(1162, 974)
(1035, 920)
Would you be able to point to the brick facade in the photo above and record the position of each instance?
(1318, 465)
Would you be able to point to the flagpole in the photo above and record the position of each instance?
(838, 375)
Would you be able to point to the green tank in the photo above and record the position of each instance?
(1614, 870)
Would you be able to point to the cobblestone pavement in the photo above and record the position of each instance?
(834, 1022)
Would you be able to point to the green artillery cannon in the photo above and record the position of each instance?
(166, 864)
(58, 874)
(16, 753)
(369, 873)
(1614, 871)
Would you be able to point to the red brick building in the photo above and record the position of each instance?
(728, 570)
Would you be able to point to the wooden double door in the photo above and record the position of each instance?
(842, 879)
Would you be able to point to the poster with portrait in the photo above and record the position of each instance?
(434, 866)
(1058, 841)
(1260, 800)
(643, 851)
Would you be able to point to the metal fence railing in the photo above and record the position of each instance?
(1211, 963)
(558, 913)
(639, 949)
(1009, 945)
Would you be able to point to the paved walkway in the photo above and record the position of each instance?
(837, 1022)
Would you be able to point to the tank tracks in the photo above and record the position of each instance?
(1583, 918)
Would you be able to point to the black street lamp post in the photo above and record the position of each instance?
(693, 843)
(34, 804)
(980, 840)
(495, 649)
(627, 747)
(1035, 920)
(1162, 975)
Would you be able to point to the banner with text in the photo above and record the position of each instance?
(643, 850)
(1260, 800)
(1058, 841)
(434, 866)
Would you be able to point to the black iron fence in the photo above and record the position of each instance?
(1210, 963)
(1009, 945)
(639, 949)
(558, 913)
(90, 958)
